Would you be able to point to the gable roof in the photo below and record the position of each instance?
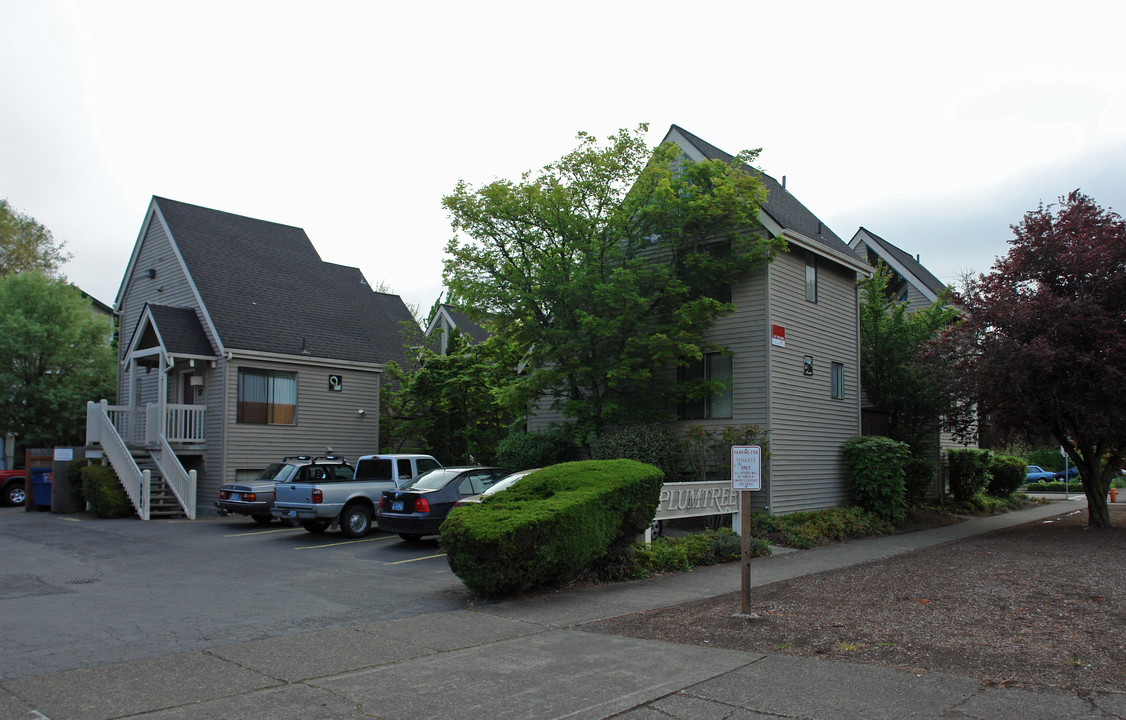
(180, 330)
(780, 206)
(264, 288)
(460, 321)
(901, 262)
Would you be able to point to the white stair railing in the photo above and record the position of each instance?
(100, 430)
(181, 482)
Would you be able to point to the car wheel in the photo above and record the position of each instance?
(315, 526)
(355, 521)
(263, 519)
(410, 537)
(14, 494)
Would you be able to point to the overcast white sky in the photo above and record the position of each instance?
(933, 125)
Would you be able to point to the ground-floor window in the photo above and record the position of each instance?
(268, 397)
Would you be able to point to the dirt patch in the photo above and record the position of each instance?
(1039, 604)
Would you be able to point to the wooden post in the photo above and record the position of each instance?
(745, 532)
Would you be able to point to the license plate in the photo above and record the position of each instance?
(397, 505)
(291, 513)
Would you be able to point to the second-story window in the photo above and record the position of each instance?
(719, 402)
(811, 277)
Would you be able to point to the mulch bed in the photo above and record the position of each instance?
(1041, 604)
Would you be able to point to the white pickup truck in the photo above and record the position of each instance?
(348, 502)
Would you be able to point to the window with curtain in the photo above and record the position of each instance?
(267, 397)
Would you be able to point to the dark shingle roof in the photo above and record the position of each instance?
(908, 261)
(266, 289)
(467, 325)
(181, 331)
(780, 205)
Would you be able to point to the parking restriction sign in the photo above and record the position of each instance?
(746, 467)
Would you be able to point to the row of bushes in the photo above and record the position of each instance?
(886, 480)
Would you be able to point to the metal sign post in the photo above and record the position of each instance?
(746, 477)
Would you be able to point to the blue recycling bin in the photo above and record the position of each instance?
(41, 486)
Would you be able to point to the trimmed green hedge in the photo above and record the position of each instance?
(547, 528)
(103, 491)
(1006, 475)
(967, 472)
(876, 475)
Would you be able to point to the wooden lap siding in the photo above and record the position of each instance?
(808, 427)
(325, 419)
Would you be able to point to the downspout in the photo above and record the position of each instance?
(769, 392)
(228, 356)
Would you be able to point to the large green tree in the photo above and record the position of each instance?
(55, 355)
(1042, 346)
(452, 405)
(607, 267)
(893, 373)
(25, 244)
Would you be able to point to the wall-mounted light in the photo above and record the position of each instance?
(151, 272)
(361, 412)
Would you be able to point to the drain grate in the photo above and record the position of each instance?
(90, 581)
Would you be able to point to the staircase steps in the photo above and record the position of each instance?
(162, 501)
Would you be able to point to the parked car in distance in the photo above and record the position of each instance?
(350, 501)
(419, 507)
(14, 486)
(502, 484)
(1072, 473)
(256, 497)
(1038, 474)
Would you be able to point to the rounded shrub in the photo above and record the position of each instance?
(1006, 475)
(967, 470)
(876, 475)
(524, 451)
(103, 491)
(653, 444)
(550, 526)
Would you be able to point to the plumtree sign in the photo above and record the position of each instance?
(746, 467)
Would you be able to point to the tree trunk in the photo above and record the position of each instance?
(1098, 511)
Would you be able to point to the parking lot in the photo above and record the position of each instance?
(77, 591)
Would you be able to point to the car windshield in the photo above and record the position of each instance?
(433, 480)
(506, 482)
(278, 472)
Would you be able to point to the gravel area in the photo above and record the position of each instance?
(1040, 604)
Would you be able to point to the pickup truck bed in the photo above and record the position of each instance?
(350, 504)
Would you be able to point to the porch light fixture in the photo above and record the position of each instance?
(361, 412)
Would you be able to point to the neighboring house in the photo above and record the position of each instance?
(446, 320)
(795, 352)
(910, 282)
(238, 345)
(913, 284)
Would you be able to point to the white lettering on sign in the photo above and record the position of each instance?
(746, 467)
(692, 499)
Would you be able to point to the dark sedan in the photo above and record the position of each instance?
(419, 507)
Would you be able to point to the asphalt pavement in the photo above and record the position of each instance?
(529, 658)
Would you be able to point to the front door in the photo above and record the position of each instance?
(189, 394)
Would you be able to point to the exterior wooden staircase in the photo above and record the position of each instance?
(162, 501)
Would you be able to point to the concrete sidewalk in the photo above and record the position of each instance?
(530, 658)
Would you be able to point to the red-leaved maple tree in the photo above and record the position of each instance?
(1042, 344)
